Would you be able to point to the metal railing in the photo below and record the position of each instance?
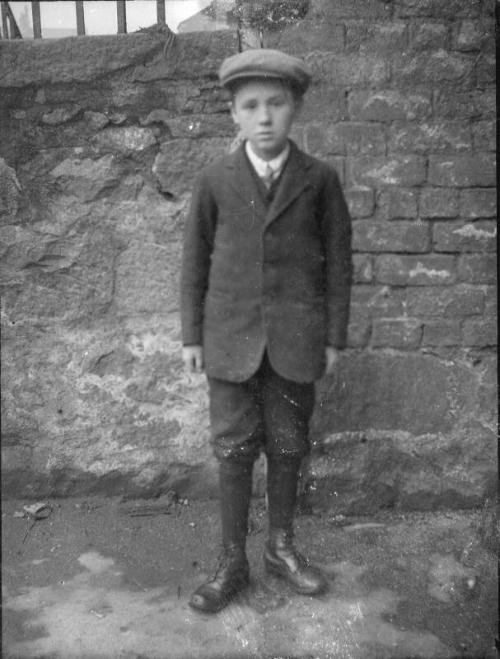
(10, 28)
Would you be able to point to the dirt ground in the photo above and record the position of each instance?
(110, 578)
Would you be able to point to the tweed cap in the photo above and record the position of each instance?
(265, 63)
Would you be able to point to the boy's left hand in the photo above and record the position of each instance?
(331, 357)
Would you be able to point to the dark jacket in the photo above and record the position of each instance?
(274, 278)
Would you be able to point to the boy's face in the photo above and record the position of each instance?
(264, 110)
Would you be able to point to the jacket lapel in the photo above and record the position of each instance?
(241, 180)
(292, 184)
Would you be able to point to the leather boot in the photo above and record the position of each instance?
(232, 574)
(280, 556)
(283, 560)
(231, 577)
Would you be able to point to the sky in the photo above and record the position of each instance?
(100, 15)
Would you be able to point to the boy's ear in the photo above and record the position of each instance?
(233, 113)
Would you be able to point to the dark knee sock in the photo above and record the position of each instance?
(235, 490)
(282, 479)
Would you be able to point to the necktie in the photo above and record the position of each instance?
(268, 177)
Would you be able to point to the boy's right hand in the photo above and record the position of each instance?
(192, 356)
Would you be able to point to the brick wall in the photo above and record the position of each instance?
(105, 136)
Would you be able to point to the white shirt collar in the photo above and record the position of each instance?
(260, 165)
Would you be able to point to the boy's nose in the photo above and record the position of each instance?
(264, 116)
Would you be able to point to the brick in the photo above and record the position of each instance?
(324, 103)
(449, 302)
(348, 69)
(463, 171)
(395, 236)
(326, 10)
(388, 105)
(361, 201)
(469, 36)
(478, 203)
(363, 268)
(480, 333)
(425, 270)
(405, 171)
(346, 138)
(475, 104)
(429, 36)
(358, 331)
(486, 70)
(433, 68)
(441, 333)
(477, 268)
(376, 37)
(378, 301)
(395, 333)
(430, 137)
(491, 301)
(451, 9)
(438, 202)
(477, 236)
(397, 203)
(484, 135)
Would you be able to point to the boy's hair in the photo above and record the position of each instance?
(234, 87)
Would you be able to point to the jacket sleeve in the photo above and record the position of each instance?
(197, 248)
(337, 233)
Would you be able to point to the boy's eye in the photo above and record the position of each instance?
(249, 105)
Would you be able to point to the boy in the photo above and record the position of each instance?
(264, 303)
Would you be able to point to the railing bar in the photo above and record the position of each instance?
(37, 22)
(80, 18)
(5, 24)
(121, 14)
(160, 12)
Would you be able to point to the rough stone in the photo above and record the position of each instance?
(343, 138)
(97, 120)
(359, 329)
(353, 70)
(441, 333)
(469, 36)
(466, 237)
(451, 302)
(427, 137)
(397, 203)
(179, 161)
(484, 135)
(361, 201)
(477, 268)
(399, 334)
(125, 140)
(363, 268)
(434, 68)
(473, 104)
(478, 203)
(424, 270)
(439, 203)
(398, 236)
(61, 115)
(195, 126)
(388, 106)
(486, 69)
(376, 37)
(86, 178)
(480, 333)
(405, 171)
(428, 36)
(463, 171)
(436, 9)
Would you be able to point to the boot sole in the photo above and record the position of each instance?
(225, 601)
(278, 571)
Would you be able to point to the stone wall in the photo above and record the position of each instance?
(101, 138)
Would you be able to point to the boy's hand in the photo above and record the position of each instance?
(192, 356)
(332, 357)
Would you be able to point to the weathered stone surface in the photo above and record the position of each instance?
(469, 237)
(439, 202)
(433, 68)
(484, 135)
(126, 140)
(358, 139)
(451, 302)
(441, 333)
(388, 105)
(381, 171)
(430, 137)
(179, 161)
(394, 237)
(480, 332)
(469, 36)
(479, 202)
(348, 70)
(423, 270)
(400, 334)
(363, 268)
(425, 36)
(478, 103)
(397, 203)
(61, 115)
(463, 171)
(376, 37)
(478, 268)
(436, 9)
(86, 178)
(361, 201)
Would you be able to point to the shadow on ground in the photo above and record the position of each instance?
(100, 579)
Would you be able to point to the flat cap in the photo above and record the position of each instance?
(265, 63)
